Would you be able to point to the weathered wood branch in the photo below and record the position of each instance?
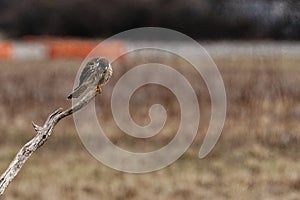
(41, 137)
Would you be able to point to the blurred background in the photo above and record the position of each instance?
(255, 45)
(201, 19)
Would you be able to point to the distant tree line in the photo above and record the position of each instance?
(201, 19)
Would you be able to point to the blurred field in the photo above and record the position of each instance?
(257, 156)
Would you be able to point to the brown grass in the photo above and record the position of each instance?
(257, 156)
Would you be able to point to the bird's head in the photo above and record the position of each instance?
(102, 63)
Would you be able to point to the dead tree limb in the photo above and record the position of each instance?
(41, 137)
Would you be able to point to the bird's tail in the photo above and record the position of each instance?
(77, 92)
(70, 96)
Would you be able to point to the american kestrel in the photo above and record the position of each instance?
(96, 73)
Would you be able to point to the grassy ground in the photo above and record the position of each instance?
(257, 156)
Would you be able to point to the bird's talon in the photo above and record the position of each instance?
(99, 89)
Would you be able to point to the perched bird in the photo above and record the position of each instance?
(96, 73)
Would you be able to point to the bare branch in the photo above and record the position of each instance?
(41, 137)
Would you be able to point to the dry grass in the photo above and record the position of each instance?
(256, 157)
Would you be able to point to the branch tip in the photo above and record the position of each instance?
(36, 127)
(58, 111)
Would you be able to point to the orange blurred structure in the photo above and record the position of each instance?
(67, 49)
(80, 49)
(5, 50)
(58, 48)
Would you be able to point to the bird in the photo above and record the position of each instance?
(95, 74)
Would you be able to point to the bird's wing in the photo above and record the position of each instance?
(86, 73)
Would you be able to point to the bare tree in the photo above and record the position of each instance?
(41, 137)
